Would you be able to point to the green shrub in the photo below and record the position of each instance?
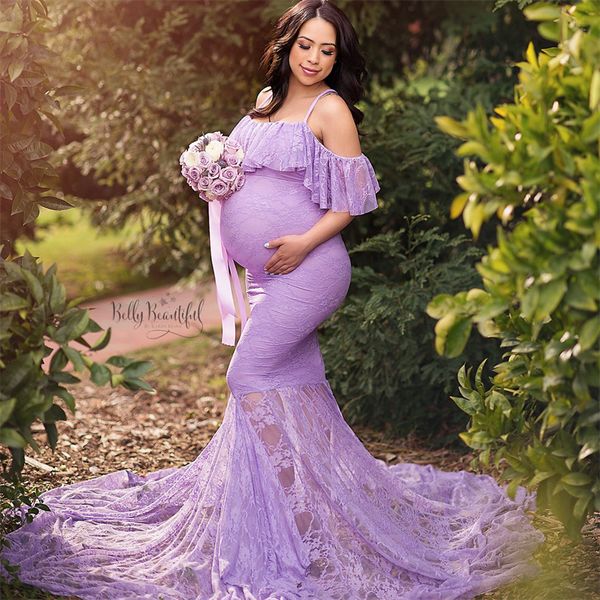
(26, 107)
(379, 345)
(540, 160)
(33, 307)
(33, 310)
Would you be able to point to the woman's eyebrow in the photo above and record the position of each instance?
(313, 41)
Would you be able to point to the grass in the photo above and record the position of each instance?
(89, 261)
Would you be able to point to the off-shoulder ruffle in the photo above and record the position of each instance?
(339, 183)
(261, 149)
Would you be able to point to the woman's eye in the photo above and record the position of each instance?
(324, 52)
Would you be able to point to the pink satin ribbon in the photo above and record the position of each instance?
(225, 273)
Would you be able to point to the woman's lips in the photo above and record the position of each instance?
(307, 72)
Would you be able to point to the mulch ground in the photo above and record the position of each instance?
(117, 429)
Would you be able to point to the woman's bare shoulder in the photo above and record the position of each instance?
(336, 126)
(332, 107)
(263, 95)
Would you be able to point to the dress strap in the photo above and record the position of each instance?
(315, 101)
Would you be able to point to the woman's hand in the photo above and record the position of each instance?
(291, 251)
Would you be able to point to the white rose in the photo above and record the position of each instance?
(191, 158)
(214, 150)
(240, 153)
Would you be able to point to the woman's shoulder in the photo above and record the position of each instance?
(335, 123)
(263, 95)
(330, 103)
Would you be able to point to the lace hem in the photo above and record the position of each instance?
(283, 503)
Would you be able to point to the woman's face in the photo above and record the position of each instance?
(314, 51)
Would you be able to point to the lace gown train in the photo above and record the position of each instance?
(284, 502)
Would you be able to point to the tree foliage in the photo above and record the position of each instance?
(144, 77)
(379, 345)
(538, 158)
(33, 306)
(154, 75)
(28, 177)
(33, 312)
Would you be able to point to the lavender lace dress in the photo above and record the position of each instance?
(284, 502)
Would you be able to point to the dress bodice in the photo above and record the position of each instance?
(339, 183)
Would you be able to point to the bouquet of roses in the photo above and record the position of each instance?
(212, 166)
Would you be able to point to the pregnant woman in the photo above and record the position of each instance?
(285, 502)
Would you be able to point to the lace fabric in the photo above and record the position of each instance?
(283, 503)
(340, 183)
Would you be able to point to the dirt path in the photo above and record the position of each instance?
(154, 317)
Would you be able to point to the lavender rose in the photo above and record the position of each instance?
(232, 160)
(218, 187)
(194, 173)
(239, 180)
(204, 183)
(228, 175)
(231, 145)
(213, 170)
(203, 160)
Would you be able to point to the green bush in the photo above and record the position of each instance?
(27, 175)
(33, 306)
(469, 60)
(539, 160)
(34, 310)
(379, 347)
(147, 88)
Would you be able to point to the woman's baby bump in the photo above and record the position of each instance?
(266, 207)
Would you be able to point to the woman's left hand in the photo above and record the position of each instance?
(291, 251)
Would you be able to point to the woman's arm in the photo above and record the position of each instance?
(338, 131)
(326, 227)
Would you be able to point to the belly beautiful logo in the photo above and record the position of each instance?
(161, 317)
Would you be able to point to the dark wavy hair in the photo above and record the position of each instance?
(348, 72)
